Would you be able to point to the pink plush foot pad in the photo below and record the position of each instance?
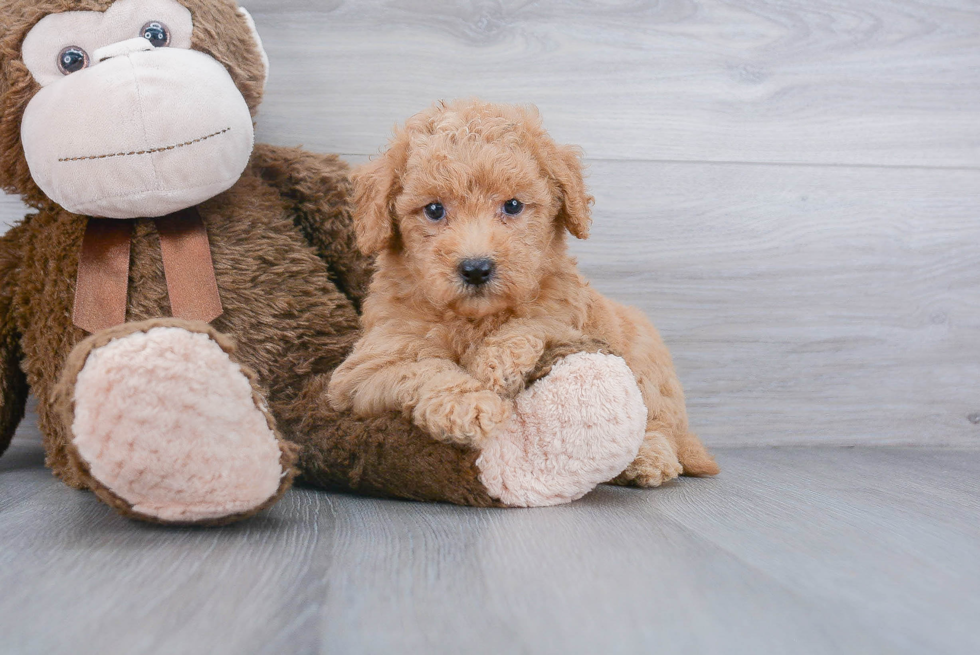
(580, 426)
(167, 422)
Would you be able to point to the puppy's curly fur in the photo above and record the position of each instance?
(453, 353)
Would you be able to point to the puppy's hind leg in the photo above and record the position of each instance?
(670, 449)
(655, 464)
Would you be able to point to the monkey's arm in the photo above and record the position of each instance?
(317, 189)
(13, 382)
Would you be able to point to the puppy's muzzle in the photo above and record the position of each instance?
(477, 272)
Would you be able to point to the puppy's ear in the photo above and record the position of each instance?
(375, 187)
(564, 165)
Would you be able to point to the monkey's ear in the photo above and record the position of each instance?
(258, 42)
(564, 165)
(375, 187)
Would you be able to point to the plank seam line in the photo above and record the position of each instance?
(725, 162)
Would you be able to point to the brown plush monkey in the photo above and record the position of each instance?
(179, 300)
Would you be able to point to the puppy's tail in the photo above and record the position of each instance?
(694, 457)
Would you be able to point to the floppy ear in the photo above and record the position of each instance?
(375, 186)
(372, 210)
(564, 165)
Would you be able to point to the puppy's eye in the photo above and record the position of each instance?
(513, 207)
(156, 33)
(435, 212)
(72, 59)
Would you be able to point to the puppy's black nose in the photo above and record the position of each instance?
(477, 271)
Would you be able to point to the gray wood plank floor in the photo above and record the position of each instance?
(790, 550)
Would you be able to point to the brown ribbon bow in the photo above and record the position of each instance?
(103, 270)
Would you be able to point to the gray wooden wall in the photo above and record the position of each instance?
(790, 188)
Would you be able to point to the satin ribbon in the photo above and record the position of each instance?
(103, 270)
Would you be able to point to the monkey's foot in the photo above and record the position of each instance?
(574, 429)
(166, 427)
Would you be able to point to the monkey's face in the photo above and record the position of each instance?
(130, 121)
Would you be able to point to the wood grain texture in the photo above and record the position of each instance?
(880, 82)
(791, 550)
(831, 296)
(803, 304)
(12, 210)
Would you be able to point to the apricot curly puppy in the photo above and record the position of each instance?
(467, 211)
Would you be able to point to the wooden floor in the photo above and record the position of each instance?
(791, 550)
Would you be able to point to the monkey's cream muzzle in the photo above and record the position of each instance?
(142, 133)
(136, 130)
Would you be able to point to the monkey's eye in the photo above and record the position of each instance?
(156, 33)
(435, 212)
(513, 207)
(72, 59)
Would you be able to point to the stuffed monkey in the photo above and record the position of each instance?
(181, 295)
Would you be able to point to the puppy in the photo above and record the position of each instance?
(467, 212)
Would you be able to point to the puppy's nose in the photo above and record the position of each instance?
(477, 271)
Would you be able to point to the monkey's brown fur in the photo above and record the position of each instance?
(290, 277)
(422, 323)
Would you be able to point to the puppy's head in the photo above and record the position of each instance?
(472, 201)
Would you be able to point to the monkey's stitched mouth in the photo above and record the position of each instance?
(150, 151)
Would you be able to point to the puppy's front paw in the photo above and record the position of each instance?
(502, 367)
(655, 464)
(466, 418)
